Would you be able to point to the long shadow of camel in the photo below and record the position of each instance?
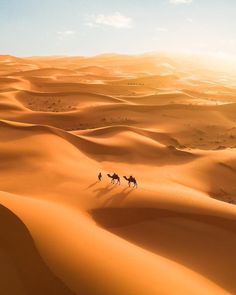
(104, 190)
(119, 197)
(91, 185)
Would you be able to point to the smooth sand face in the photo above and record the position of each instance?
(170, 122)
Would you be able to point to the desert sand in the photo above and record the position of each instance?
(169, 121)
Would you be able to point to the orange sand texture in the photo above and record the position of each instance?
(169, 121)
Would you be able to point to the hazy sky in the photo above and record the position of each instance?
(77, 27)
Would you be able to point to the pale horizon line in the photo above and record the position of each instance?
(220, 55)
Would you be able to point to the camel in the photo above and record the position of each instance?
(130, 180)
(114, 177)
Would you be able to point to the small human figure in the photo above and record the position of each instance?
(100, 176)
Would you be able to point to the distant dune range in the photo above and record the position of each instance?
(169, 121)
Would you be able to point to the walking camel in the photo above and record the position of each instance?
(130, 180)
(114, 177)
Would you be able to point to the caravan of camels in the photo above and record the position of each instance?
(115, 178)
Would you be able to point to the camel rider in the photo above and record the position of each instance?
(100, 176)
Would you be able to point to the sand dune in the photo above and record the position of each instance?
(161, 98)
(44, 72)
(161, 137)
(158, 230)
(169, 121)
(61, 102)
(22, 269)
(95, 70)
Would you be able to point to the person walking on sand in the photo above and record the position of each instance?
(100, 176)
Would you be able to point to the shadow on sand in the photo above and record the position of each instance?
(118, 198)
(91, 185)
(104, 190)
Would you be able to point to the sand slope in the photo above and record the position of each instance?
(22, 269)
